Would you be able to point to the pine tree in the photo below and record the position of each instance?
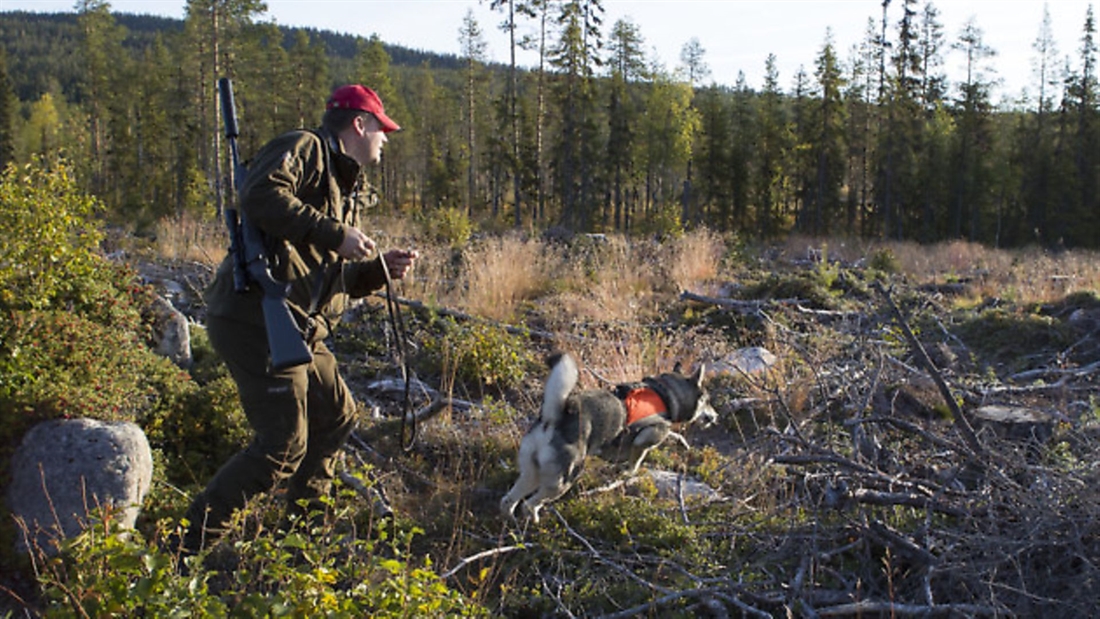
(576, 57)
(213, 40)
(974, 142)
(774, 137)
(8, 103)
(373, 71)
(829, 145)
(627, 64)
(309, 77)
(104, 63)
(1035, 142)
(473, 46)
(509, 26)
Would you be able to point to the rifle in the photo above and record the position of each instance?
(250, 266)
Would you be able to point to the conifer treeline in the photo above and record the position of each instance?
(873, 141)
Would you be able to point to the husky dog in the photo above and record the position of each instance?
(618, 425)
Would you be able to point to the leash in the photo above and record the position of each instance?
(409, 428)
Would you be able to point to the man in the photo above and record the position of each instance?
(302, 192)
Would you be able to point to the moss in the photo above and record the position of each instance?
(1013, 341)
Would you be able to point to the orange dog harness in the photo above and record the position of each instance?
(642, 403)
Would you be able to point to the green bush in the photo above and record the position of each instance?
(74, 339)
(106, 572)
(450, 226)
(480, 354)
(49, 245)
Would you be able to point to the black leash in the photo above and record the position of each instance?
(397, 325)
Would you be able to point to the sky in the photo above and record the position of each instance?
(736, 35)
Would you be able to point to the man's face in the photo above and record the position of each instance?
(367, 148)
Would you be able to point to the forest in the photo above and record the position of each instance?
(913, 265)
(598, 137)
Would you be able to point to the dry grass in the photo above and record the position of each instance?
(501, 273)
(1024, 276)
(613, 302)
(608, 281)
(695, 258)
(189, 239)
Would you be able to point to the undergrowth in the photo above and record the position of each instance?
(834, 484)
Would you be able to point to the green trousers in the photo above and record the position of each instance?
(301, 417)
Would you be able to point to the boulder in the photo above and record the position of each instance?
(748, 361)
(1015, 423)
(673, 485)
(171, 332)
(67, 468)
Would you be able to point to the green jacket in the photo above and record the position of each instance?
(301, 193)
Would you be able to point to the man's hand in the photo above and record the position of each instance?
(356, 245)
(400, 261)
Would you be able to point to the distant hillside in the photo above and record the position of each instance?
(42, 48)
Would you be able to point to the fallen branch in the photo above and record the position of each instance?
(492, 552)
(961, 422)
(902, 544)
(1063, 375)
(741, 307)
(892, 499)
(755, 306)
(702, 594)
(453, 313)
(380, 506)
(891, 609)
(599, 557)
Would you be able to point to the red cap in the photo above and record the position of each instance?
(356, 97)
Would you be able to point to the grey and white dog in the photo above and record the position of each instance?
(620, 425)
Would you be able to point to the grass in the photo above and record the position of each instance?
(190, 239)
(779, 540)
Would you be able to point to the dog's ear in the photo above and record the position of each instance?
(700, 373)
(553, 358)
(678, 368)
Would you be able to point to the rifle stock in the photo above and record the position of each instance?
(246, 244)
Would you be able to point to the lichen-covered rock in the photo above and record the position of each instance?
(67, 468)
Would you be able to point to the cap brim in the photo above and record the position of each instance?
(387, 123)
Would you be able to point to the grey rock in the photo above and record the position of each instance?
(172, 332)
(65, 469)
(745, 361)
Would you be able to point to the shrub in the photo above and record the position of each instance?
(49, 245)
(450, 226)
(106, 572)
(885, 260)
(480, 353)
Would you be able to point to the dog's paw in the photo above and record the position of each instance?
(532, 512)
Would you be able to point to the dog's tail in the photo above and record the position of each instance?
(563, 378)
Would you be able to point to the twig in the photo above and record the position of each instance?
(1064, 375)
(680, 498)
(556, 596)
(961, 422)
(492, 552)
(754, 306)
(679, 595)
(596, 554)
(898, 610)
(909, 427)
(618, 483)
(522, 331)
(902, 544)
(874, 497)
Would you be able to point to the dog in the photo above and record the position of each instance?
(620, 425)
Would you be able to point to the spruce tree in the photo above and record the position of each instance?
(8, 103)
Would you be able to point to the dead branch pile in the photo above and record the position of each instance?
(871, 472)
